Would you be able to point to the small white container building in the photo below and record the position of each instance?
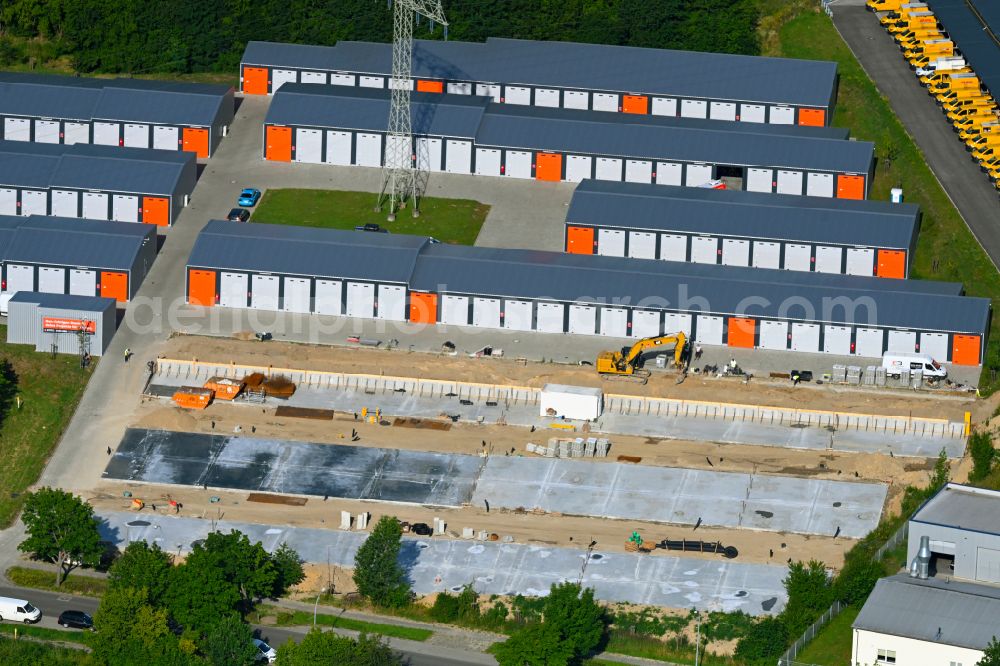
(580, 403)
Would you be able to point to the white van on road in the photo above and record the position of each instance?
(895, 362)
(18, 610)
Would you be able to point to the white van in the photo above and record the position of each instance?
(18, 610)
(895, 362)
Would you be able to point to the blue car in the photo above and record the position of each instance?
(249, 197)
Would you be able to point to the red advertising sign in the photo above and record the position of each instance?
(69, 325)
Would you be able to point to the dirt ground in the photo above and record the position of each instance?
(509, 371)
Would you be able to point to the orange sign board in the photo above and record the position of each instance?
(74, 325)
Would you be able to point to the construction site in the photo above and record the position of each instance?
(686, 349)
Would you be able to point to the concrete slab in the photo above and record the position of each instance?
(295, 468)
(682, 496)
(435, 565)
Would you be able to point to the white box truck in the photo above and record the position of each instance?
(18, 610)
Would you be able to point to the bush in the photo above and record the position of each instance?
(445, 608)
(764, 642)
(809, 594)
(982, 452)
(495, 617)
(857, 579)
(719, 626)
(645, 623)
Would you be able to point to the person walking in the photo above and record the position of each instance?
(697, 352)
(128, 354)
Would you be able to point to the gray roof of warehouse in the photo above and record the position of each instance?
(118, 169)
(744, 214)
(962, 507)
(81, 98)
(28, 168)
(965, 614)
(64, 301)
(566, 277)
(571, 130)
(293, 250)
(975, 35)
(65, 241)
(573, 65)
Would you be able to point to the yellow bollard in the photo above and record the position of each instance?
(364, 413)
(968, 423)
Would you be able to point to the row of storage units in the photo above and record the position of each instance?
(471, 135)
(732, 228)
(408, 279)
(95, 182)
(592, 77)
(55, 255)
(131, 113)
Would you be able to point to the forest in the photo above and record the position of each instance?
(184, 36)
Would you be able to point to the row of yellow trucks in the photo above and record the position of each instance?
(972, 110)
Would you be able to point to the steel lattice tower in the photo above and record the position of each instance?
(401, 178)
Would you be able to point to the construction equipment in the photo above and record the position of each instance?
(626, 364)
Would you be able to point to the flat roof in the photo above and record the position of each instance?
(64, 241)
(83, 98)
(689, 74)
(64, 301)
(577, 131)
(962, 507)
(668, 208)
(975, 28)
(932, 610)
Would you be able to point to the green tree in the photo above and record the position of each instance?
(326, 647)
(288, 567)
(142, 566)
(198, 594)
(534, 645)
(857, 579)
(61, 529)
(982, 452)
(229, 642)
(377, 572)
(130, 631)
(991, 655)
(810, 592)
(763, 643)
(246, 565)
(942, 472)
(580, 621)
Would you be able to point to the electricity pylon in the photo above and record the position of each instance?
(400, 177)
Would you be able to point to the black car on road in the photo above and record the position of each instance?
(75, 619)
(238, 215)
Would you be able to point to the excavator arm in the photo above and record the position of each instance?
(644, 345)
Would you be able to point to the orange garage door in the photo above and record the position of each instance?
(850, 187)
(196, 141)
(741, 332)
(255, 80)
(279, 144)
(156, 210)
(580, 240)
(891, 264)
(430, 86)
(114, 285)
(635, 104)
(548, 166)
(423, 308)
(814, 117)
(965, 350)
(201, 287)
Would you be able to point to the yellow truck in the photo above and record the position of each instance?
(981, 107)
(901, 14)
(932, 72)
(911, 39)
(947, 98)
(932, 47)
(987, 149)
(982, 99)
(883, 5)
(955, 81)
(975, 117)
(915, 21)
(984, 128)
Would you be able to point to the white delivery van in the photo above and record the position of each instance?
(4, 300)
(18, 610)
(895, 362)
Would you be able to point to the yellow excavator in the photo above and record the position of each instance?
(625, 365)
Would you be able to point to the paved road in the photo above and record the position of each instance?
(52, 604)
(967, 186)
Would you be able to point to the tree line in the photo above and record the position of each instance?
(183, 36)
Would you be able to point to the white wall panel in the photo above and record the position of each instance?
(517, 164)
(459, 88)
(646, 324)
(759, 180)
(82, 282)
(869, 342)
(789, 182)
(264, 292)
(782, 115)
(455, 310)
(280, 77)
(673, 247)
(935, 345)
(488, 161)
(583, 319)
(605, 102)
(51, 280)
(819, 184)
(611, 242)
(766, 254)
(735, 252)
(34, 202)
(368, 149)
(549, 318)
(296, 296)
(392, 302)
(17, 129)
(608, 168)
(698, 174)
(371, 81)
(313, 77)
(47, 131)
(674, 322)
(337, 79)
(773, 334)
(233, 288)
(329, 297)
(704, 250)
(902, 341)
(860, 261)
(398, 152)
(694, 108)
(458, 156)
(664, 106)
(308, 145)
(488, 90)
(546, 97)
(486, 312)
(709, 330)
(642, 245)
(76, 133)
(360, 300)
(136, 135)
(798, 257)
(837, 339)
(8, 201)
(638, 171)
(829, 259)
(429, 153)
(338, 147)
(669, 173)
(124, 208)
(576, 99)
(106, 134)
(165, 138)
(517, 95)
(20, 278)
(805, 337)
(95, 205)
(578, 167)
(614, 322)
(518, 315)
(722, 111)
(753, 113)
(65, 203)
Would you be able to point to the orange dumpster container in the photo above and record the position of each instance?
(225, 388)
(193, 397)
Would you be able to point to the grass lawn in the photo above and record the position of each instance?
(44, 579)
(832, 645)
(448, 220)
(946, 249)
(287, 618)
(46, 634)
(50, 389)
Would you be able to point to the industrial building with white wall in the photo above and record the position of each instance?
(77, 257)
(597, 77)
(61, 323)
(133, 113)
(95, 182)
(472, 135)
(409, 279)
(711, 226)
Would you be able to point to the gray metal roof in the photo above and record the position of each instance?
(79, 98)
(61, 241)
(570, 130)
(734, 213)
(962, 507)
(122, 169)
(582, 66)
(975, 28)
(290, 250)
(86, 166)
(368, 109)
(64, 301)
(965, 614)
